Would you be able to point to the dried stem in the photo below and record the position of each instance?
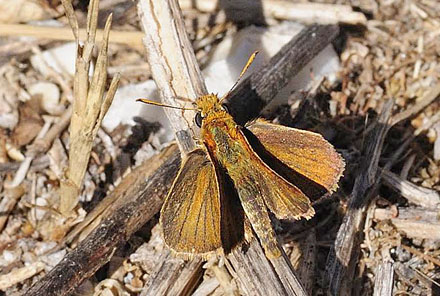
(89, 106)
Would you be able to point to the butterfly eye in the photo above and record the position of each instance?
(198, 119)
(225, 107)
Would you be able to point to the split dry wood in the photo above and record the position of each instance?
(421, 104)
(176, 277)
(340, 268)
(383, 283)
(173, 64)
(306, 267)
(148, 192)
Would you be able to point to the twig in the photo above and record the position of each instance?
(408, 275)
(419, 106)
(20, 274)
(426, 257)
(30, 155)
(254, 93)
(42, 145)
(173, 276)
(338, 266)
(38, 163)
(418, 195)
(8, 201)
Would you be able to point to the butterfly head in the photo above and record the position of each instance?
(209, 107)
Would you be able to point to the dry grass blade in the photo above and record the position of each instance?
(131, 38)
(70, 13)
(422, 255)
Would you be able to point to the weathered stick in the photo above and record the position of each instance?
(338, 266)
(177, 75)
(254, 93)
(383, 283)
(418, 195)
(414, 222)
(148, 192)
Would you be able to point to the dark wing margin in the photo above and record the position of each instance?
(199, 218)
(303, 158)
(232, 213)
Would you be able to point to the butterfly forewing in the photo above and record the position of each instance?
(304, 158)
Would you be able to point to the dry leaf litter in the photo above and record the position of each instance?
(395, 54)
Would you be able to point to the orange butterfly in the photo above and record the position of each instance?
(239, 174)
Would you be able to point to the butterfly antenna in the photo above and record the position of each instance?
(149, 102)
(248, 64)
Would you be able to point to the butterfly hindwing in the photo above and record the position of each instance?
(190, 216)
